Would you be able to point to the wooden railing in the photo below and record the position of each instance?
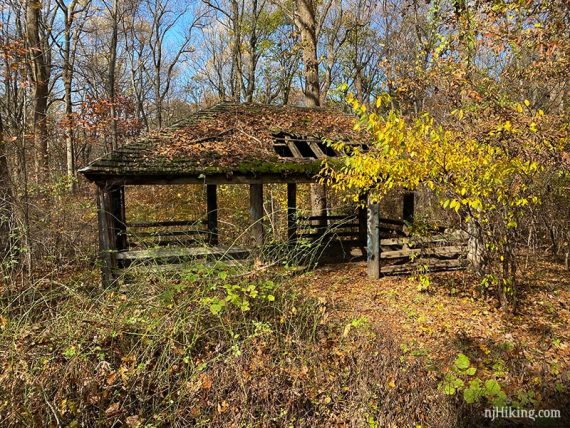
(349, 227)
(314, 228)
(166, 233)
(442, 251)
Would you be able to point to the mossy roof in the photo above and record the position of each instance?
(231, 139)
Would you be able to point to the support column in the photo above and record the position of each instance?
(373, 241)
(107, 234)
(212, 206)
(409, 206)
(256, 212)
(362, 219)
(291, 212)
(117, 195)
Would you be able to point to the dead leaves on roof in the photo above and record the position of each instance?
(228, 135)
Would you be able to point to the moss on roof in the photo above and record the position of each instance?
(227, 138)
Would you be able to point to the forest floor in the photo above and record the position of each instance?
(451, 316)
(215, 346)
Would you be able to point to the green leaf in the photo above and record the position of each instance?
(462, 362)
(217, 307)
(492, 387)
(449, 389)
(472, 394)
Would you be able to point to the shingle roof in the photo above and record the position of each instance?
(232, 138)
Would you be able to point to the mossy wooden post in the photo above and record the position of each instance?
(409, 206)
(373, 248)
(107, 234)
(292, 212)
(256, 212)
(212, 206)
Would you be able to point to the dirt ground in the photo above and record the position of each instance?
(525, 351)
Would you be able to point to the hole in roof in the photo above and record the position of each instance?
(283, 151)
(304, 149)
(279, 138)
(327, 150)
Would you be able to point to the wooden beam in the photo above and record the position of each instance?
(409, 206)
(291, 144)
(212, 203)
(291, 212)
(168, 223)
(362, 219)
(107, 236)
(373, 249)
(165, 179)
(119, 223)
(256, 212)
(316, 149)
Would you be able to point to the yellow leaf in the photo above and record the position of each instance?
(527, 103)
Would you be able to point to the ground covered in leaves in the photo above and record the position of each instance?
(220, 346)
(527, 352)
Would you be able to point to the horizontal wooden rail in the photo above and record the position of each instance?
(394, 222)
(318, 235)
(453, 251)
(167, 243)
(434, 265)
(167, 223)
(327, 217)
(330, 227)
(435, 239)
(168, 233)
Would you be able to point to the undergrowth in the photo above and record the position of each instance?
(208, 346)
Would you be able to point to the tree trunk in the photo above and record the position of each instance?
(305, 18)
(112, 73)
(67, 81)
(40, 79)
(250, 89)
(475, 247)
(236, 53)
(306, 21)
(6, 205)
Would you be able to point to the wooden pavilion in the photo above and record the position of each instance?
(230, 143)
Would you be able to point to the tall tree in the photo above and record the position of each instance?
(309, 24)
(70, 12)
(112, 76)
(5, 199)
(40, 75)
(306, 21)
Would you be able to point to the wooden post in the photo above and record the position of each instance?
(119, 223)
(256, 212)
(212, 206)
(107, 234)
(373, 241)
(409, 203)
(291, 212)
(362, 220)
